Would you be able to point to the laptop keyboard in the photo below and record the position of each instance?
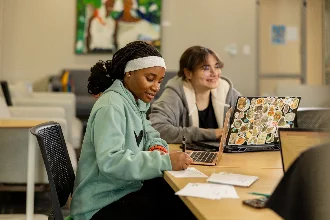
(204, 156)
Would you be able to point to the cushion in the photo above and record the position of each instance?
(21, 90)
(80, 81)
(4, 110)
(84, 105)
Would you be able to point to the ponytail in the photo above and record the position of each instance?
(103, 74)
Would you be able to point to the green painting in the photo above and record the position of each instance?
(104, 26)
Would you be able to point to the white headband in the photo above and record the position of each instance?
(144, 62)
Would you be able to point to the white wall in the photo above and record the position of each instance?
(1, 40)
(38, 37)
(327, 30)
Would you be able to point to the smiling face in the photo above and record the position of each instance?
(144, 83)
(206, 75)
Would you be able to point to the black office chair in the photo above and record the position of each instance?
(58, 165)
(303, 192)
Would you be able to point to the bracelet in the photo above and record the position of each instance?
(158, 147)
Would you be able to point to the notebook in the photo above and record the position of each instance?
(294, 141)
(232, 179)
(255, 121)
(212, 158)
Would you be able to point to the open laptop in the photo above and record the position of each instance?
(255, 122)
(294, 141)
(212, 158)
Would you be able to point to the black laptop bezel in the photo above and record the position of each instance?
(297, 129)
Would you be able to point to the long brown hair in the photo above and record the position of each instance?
(195, 56)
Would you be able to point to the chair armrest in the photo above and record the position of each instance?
(63, 95)
(66, 104)
(30, 111)
(54, 96)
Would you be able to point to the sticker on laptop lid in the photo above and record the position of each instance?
(256, 119)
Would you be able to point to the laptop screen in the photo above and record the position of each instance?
(294, 141)
(255, 120)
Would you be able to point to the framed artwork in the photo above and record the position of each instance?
(104, 26)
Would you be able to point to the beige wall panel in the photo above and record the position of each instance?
(279, 58)
(1, 40)
(315, 42)
(39, 37)
(268, 86)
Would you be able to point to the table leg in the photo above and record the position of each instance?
(30, 178)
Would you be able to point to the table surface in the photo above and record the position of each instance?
(266, 165)
(17, 123)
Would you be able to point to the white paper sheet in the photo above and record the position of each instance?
(208, 191)
(292, 34)
(232, 179)
(189, 172)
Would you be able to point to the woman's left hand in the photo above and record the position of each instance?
(218, 132)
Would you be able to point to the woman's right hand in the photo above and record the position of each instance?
(180, 160)
(218, 132)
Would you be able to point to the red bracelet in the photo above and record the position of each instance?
(158, 147)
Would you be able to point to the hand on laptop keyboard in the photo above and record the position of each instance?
(180, 160)
(218, 132)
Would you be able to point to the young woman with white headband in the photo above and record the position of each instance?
(120, 169)
(194, 103)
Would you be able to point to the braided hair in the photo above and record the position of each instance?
(104, 73)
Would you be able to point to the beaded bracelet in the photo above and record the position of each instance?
(158, 147)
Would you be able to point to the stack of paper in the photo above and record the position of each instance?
(208, 191)
(232, 179)
(189, 172)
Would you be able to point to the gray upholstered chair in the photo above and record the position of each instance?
(313, 118)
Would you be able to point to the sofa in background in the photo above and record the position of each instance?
(21, 94)
(78, 81)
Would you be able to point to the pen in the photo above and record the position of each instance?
(183, 144)
(260, 194)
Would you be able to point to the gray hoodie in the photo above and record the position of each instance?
(175, 113)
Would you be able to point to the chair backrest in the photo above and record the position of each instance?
(6, 92)
(79, 79)
(313, 118)
(57, 162)
(4, 109)
(311, 95)
(168, 76)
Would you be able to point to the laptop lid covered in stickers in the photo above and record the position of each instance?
(255, 120)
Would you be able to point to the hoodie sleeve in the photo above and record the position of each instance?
(153, 137)
(109, 129)
(166, 117)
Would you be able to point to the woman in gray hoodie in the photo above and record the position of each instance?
(195, 101)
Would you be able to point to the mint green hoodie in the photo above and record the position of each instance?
(115, 159)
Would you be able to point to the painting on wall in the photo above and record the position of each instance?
(104, 26)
